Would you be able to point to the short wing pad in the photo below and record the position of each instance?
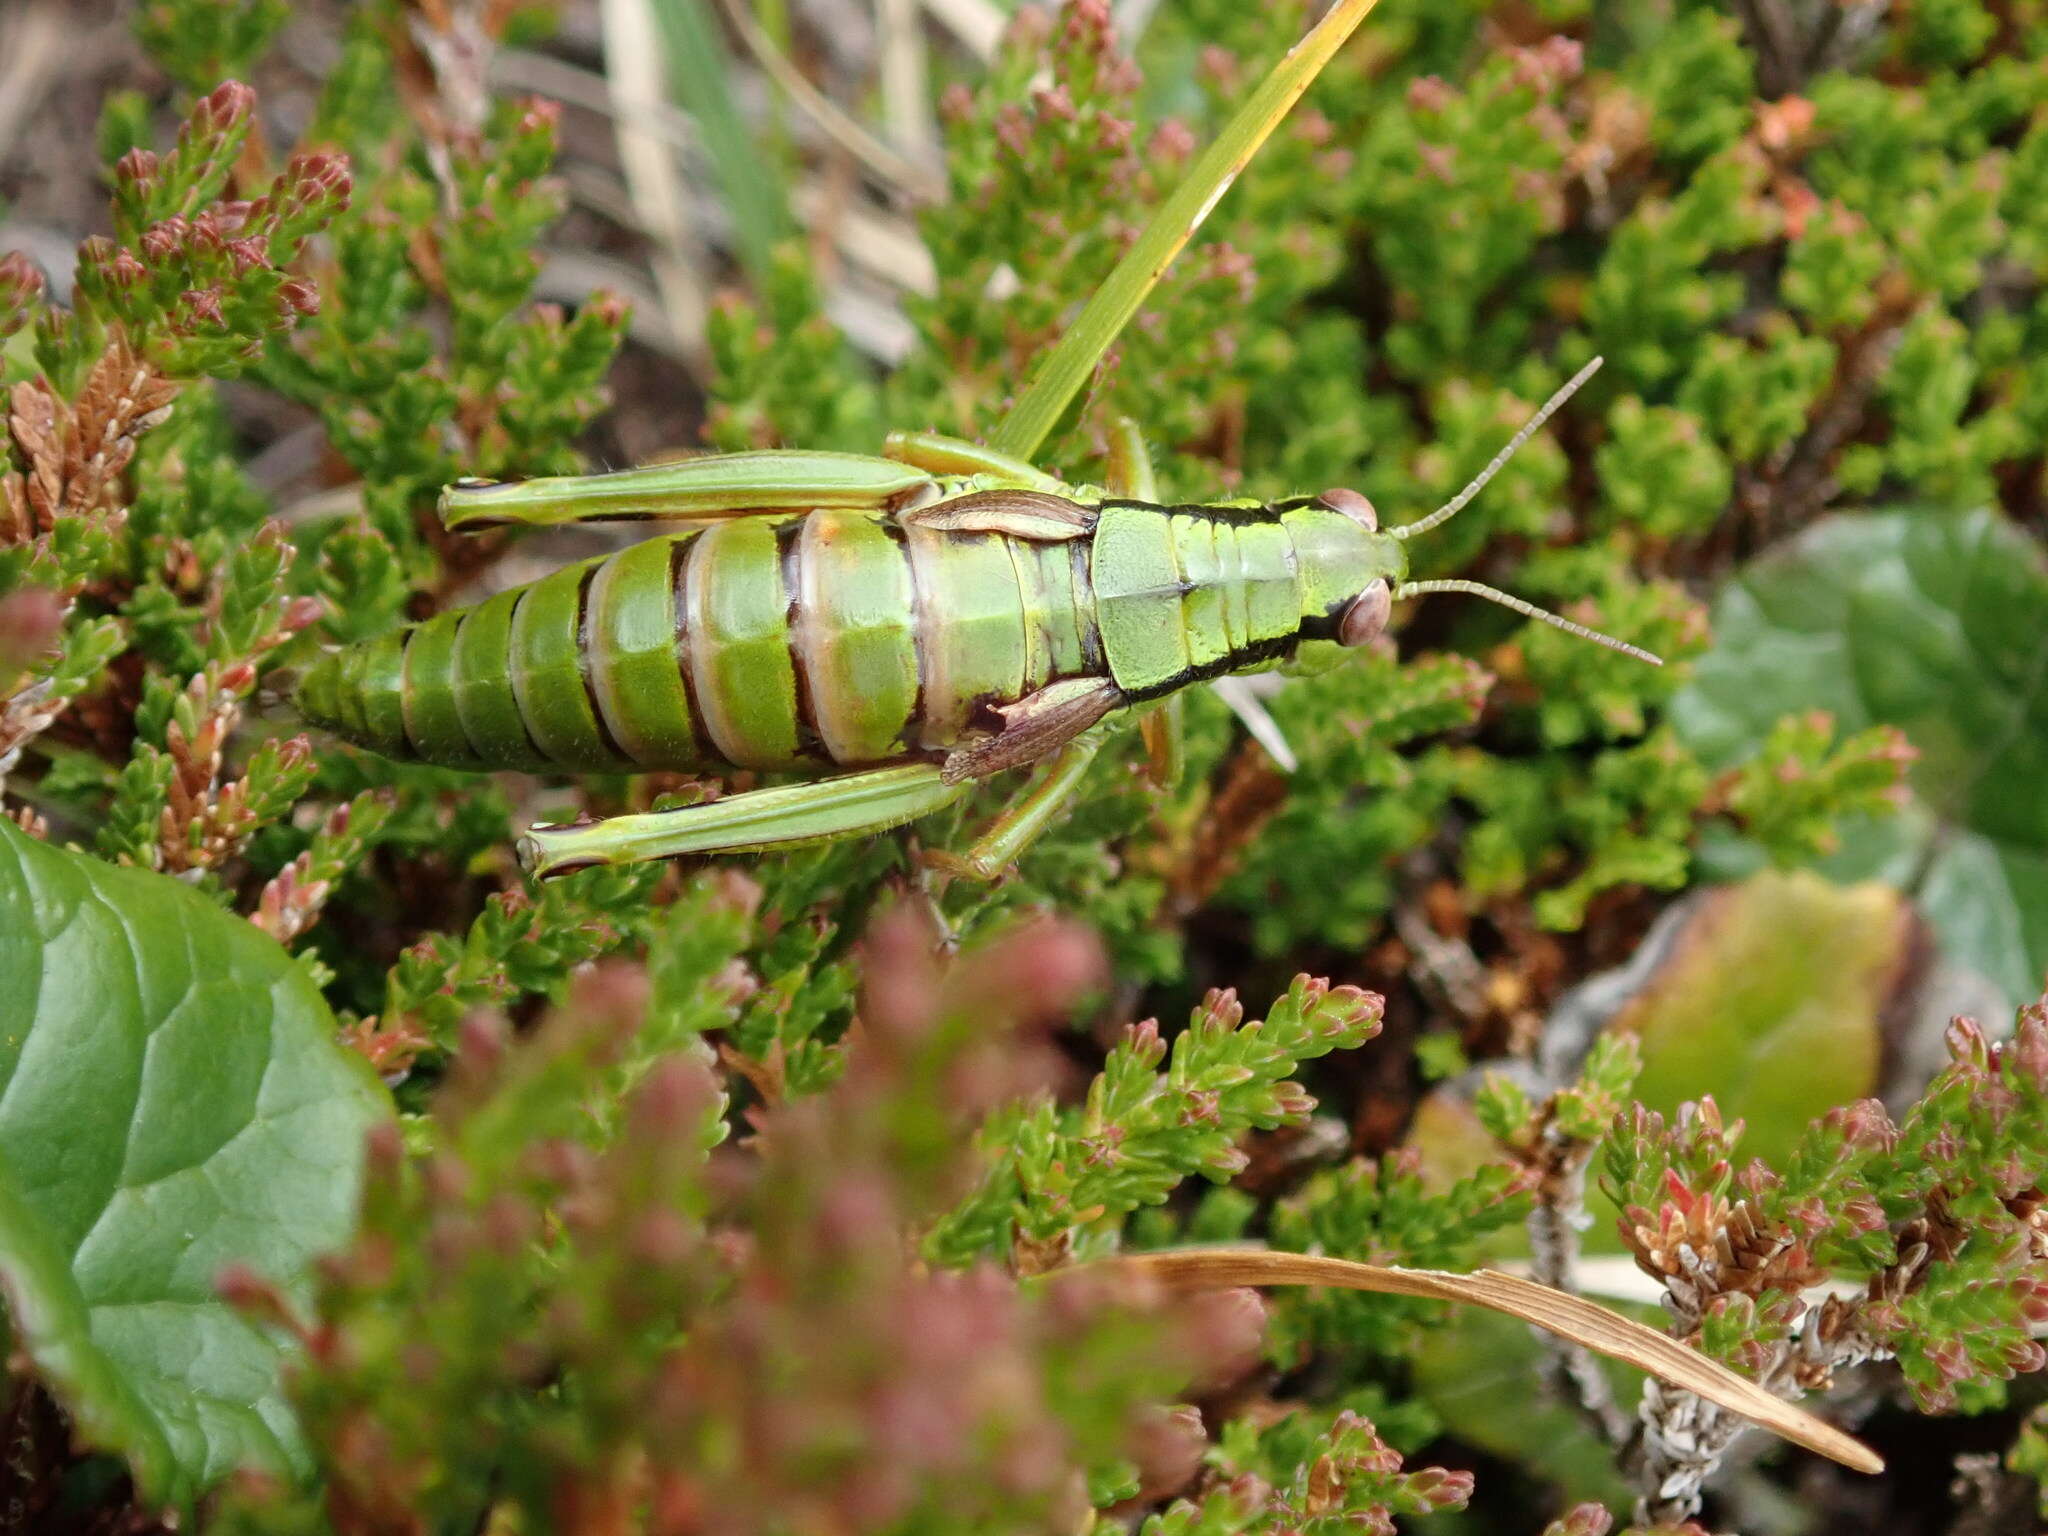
(1030, 515)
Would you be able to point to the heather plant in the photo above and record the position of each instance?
(350, 1181)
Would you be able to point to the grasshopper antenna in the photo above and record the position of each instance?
(1457, 504)
(1530, 428)
(1509, 600)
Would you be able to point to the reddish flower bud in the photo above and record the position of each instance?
(203, 306)
(1429, 93)
(299, 296)
(136, 168)
(29, 624)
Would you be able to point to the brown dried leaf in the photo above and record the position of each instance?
(1559, 1312)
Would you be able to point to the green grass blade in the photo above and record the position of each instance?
(1066, 368)
(700, 75)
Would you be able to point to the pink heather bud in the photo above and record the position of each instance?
(540, 115)
(1864, 1124)
(30, 620)
(247, 254)
(1429, 93)
(1566, 56)
(673, 1100)
(2027, 1052)
(1440, 1488)
(136, 168)
(480, 1042)
(612, 995)
(1225, 1331)
(1144, 1039)
(21, 283)
(203, 304)
(1583, 1520)
(661, 1240)
(1039, 971)
(899, 977)
(1168, 1445)
(1172, 141)
(126, 271)
(316, 178)
(162, 241)
(1013, 130)
(384, 1149)
(230, 102)
(608, 308)
(299, 296)
(1292, 1102)
(1121, 76)
(509, 1224)
(1056, 103)
(1966, 1043)
(1089, 23)
(1113, 134)
(562, 1163)
(251, 1294)
(300, 613)
(856, 1211)
(956, 104)
(1029, 29)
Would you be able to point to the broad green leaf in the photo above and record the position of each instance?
(1767, 995)
(1065, 369)
(1931, 622)
(172, 1101)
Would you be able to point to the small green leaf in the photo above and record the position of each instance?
(172, 1101)
(1930, 622)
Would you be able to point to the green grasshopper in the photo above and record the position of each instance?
(896, 627)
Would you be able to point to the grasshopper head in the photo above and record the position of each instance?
(1349, 568)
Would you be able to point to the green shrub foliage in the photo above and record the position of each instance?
(759, 1196)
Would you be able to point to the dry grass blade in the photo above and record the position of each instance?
(32, 45)
(633, 62)
(1568, 1316)
(977, 24)
(906, 83)
(914, 180)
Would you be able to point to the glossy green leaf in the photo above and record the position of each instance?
(1768, 995)
(172, 1101)
(1931, 622)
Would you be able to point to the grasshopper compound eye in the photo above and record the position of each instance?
(1353, 506)
(1367, 616)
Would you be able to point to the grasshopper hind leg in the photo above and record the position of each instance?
(758, 821)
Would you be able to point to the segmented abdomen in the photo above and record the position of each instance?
(836, 639)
